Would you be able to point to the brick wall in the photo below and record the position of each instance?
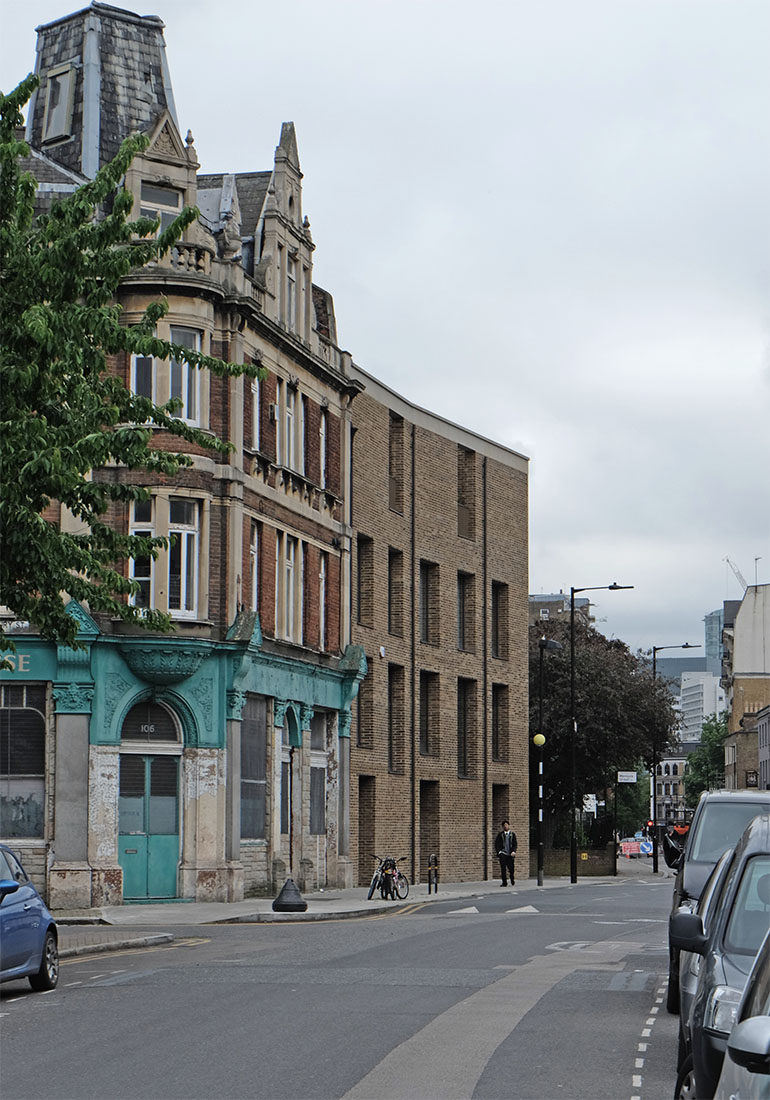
(495, 495)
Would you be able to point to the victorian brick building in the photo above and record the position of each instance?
(217, 760)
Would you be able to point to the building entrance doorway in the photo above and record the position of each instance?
(148, 828)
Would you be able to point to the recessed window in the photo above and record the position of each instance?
(365, 581)
(429, 602)
(253, 767)
(499, 624)
(395, 463)
(466, 611)
(395, 592)
(429, 713)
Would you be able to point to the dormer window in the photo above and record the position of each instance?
(57, 123)
(160, 201)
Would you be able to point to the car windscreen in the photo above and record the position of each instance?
(720, 827)
(749, 918)
(757, 999)
(712, 891)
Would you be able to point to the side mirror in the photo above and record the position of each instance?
(672, 853)
(749, 1044)
(686, 932)
(7, 886)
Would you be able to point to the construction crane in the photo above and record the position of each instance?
(737, 572)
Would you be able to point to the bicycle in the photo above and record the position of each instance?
(389, 878)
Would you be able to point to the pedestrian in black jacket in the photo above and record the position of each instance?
(505, 846)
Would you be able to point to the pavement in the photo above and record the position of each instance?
(121, 927)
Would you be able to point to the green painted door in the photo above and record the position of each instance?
(148, 829)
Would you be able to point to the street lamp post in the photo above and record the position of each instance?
(539, 741)
(655, 651)
(614, 587)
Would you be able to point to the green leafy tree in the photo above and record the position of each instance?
(706, 764)
(622, 715)
(63, 413)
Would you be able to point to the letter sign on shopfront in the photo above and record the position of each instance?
(19, 662)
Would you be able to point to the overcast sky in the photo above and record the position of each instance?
(548, 222)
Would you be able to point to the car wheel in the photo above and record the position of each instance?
(685, 1082)
(48, 974)
(672, 993)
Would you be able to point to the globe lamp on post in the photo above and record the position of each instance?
(539, 741)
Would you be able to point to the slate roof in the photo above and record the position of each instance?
(252, 192)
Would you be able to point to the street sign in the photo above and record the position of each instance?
(645, 847)
(626, 777)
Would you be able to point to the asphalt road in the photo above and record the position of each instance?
(558, 993)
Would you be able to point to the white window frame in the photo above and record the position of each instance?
(291, 294)
(153, 394)
(279, 440)
(188, 388)
(256, 402)
(254, 564)
(142, 527)
(290, 410)
(323, 569)
(289, 568)
(187, 546)
(323, 444)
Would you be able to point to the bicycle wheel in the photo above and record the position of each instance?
(402, 886)
(373, 885)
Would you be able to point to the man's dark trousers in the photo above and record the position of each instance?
(506, 867)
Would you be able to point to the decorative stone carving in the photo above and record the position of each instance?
(280, 706)
(236, 700)
(306, 714)
(204, 694)
(167, 663)
(343, 729)
(113, 692)
(73, 698)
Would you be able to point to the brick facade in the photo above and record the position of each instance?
(436, 508)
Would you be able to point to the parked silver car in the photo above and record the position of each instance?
(746, 1068)
(728, 949)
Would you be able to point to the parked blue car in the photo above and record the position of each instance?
(29, 941)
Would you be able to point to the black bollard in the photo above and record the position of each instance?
(289, 900)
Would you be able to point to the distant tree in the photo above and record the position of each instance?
(621, 713)
(63, 413)
(706, 764)
(634, 802)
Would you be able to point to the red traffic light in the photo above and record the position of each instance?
(650, 824)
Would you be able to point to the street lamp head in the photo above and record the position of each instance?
(538, 740)
(615, 587)
(549, 643)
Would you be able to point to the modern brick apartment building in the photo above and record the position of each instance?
(217, 760)
(439, 753)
